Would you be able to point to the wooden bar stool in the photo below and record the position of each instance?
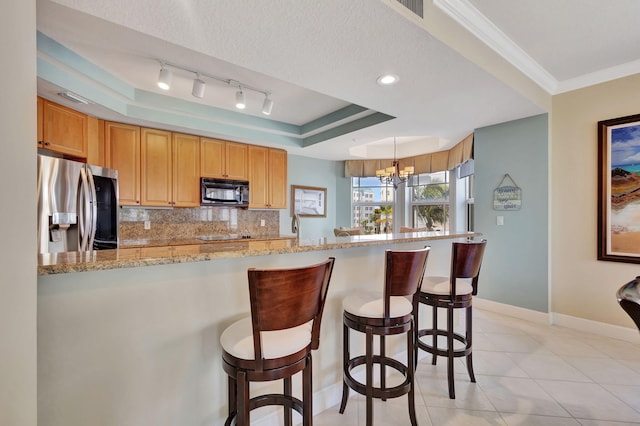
(383, 314)
(453, 292)
(276, 341)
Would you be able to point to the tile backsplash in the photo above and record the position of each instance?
(188, 223)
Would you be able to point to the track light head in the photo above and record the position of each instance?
(267, 105)
(198, 87)
(240, 100)
(164, 79)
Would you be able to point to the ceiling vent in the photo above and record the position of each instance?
(416, 6)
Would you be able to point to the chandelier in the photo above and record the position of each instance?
(393, 175)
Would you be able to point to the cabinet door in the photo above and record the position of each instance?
(186, 170)
(212, 158)
(156, 168)
(64, 130)
(258, 185)
(122, 152)
(40, 107)
(236, 161)
(95, 145)
(277, 179)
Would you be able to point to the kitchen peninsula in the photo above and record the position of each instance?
(131, 336)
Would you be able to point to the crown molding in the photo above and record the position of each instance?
(470, 18)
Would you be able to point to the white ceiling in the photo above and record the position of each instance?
(319, 56)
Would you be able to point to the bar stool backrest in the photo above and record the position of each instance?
(466, 259)
(404, 271)
(285, 298)
(629, 299)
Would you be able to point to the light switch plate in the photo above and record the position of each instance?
(499, 220)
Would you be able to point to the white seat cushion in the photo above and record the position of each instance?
(441, 286)
(237, 340)
(370, 304)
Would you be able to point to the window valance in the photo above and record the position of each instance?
(425, 163)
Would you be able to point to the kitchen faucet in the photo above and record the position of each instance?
(295, 225)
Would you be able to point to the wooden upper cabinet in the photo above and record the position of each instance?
(277, 178)
(156, 168)
(186, 170)
(40, 108)
(258, 185)
(122, 152)
(267, 178)
(223, 159)
(95, 145)
(63, 130)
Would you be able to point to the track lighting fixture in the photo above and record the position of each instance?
(164, 80)
(267, 105)
(240, 100)
(199, 85)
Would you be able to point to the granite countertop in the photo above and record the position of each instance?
(147, 253)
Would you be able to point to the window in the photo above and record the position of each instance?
(372, 205)
(430, 201)
(470, 202)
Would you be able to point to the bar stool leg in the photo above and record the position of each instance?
(383, 372)
(233, 406)
(369, 385)
(434, 320)
(287, 406)
(452, 393)
(345, 360)
(469, 336)
(242, 416)
(307, 394)
(411, 363)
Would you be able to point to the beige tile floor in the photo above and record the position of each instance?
(527, 374)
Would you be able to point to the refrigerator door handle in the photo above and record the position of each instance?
(84, 214)
(93, 208)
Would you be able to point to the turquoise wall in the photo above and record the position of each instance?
(515, 267)
(305, 171)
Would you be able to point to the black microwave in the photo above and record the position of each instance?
(224, 192)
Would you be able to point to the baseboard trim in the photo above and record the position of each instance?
(561, 320)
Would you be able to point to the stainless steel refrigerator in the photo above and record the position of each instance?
(77, 206)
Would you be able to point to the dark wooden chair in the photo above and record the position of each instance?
(382, 314)
(629, 299)
(451, 293)
(276, 341)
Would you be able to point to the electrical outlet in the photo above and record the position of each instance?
(262, 223)
(147, 224)
(499, 220)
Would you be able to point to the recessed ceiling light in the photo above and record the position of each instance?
(388, 79)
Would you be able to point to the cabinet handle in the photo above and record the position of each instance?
(47, 143)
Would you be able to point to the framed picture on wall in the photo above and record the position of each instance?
(307, 201)
(619, 189)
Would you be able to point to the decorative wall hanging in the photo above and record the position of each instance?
(307, 201)
(619, 189)
(507, 196)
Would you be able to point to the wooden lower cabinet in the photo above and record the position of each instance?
(267, 178)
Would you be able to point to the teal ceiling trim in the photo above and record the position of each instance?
(329, 119)
(368, 121)
(57, 51)
(61, 78)
(215, 114)
(208, 126)
(103, 89)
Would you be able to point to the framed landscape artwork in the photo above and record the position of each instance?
(619, 189)
(308, 201)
